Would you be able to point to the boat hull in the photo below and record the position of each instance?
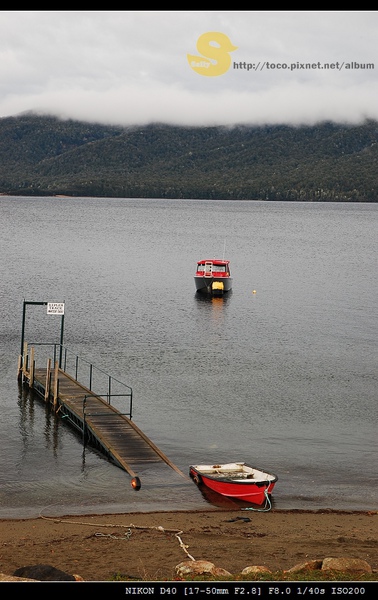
(215, 286)
(254, 490)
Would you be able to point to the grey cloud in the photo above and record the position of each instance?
(130, 67)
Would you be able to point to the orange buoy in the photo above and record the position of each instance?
(135, 483)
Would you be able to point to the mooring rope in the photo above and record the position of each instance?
(127, 535)
(177, 533)
(267, 506)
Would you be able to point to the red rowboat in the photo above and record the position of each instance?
(235, 480)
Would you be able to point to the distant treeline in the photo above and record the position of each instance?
(41, 155)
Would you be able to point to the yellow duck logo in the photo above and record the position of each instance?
(215, 48)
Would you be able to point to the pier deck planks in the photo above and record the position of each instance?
(116, 434)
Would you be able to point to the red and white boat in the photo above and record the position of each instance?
(213, 277)
(235, 480)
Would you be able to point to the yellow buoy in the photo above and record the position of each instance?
(254, 292)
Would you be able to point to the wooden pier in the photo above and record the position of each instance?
(101, 424)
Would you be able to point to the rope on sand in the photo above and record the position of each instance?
(127, 535)
(159, 528)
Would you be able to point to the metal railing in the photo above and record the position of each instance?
(96, 380)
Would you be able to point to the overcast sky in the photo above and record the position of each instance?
(131, 67)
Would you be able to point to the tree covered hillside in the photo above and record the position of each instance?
(41, 155)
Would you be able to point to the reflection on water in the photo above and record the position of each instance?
(32, 410)
(216, 302)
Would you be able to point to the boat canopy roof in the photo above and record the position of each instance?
(215, 261)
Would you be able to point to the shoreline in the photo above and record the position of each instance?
(146, 546)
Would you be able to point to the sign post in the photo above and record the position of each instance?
(53, 308)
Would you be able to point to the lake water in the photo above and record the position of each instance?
(282, 373)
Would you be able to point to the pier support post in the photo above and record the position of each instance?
(56, 372)
(24, 361)
(48, 380)
(32, 367)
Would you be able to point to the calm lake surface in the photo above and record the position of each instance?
(282, 373)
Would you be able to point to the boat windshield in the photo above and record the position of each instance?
(217, 268)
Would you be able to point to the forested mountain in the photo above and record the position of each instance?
(41, 155)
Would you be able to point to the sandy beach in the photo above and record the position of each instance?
(148, 546)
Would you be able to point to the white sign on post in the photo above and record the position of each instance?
(55, 308)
